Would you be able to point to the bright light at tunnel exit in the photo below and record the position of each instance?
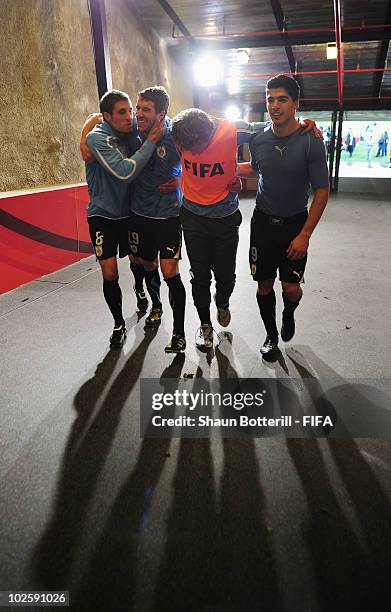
(208, 71)
(233, 112)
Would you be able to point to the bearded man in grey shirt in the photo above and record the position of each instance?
(281, 225)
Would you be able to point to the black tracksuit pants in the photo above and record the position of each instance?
(211, 244)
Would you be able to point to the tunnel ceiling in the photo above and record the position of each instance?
(285, 36)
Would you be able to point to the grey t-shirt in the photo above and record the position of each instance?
(287, 166)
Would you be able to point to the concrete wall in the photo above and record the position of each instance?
(48, 82)
(47, 86)
(140, 59)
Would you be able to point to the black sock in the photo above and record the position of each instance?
(177, 297)
(267, 308)
(204, 314)
(288, 305)
(152, 281)
(113, 297)
(138, 273)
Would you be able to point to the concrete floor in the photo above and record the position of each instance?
(378, 168)
(271, 524)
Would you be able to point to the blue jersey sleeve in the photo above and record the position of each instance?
(247, 130)
(109, 156)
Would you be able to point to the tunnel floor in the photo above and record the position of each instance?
(214, 524)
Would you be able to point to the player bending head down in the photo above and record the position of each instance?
(192, 130)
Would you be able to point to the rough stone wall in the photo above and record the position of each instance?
(48, 82)
(179, 81)
(140, 59)
(47, 87)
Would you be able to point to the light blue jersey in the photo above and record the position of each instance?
(114, 168)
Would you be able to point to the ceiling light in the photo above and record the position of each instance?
(331, 51)
(208, 71)
(242, 57)
(233, 86)
(233, 112)
(233, 80)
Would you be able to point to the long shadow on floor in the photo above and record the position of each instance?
(188, 572)
(351, 572)
(89, 443)
(247, 560)
(217, 556)
(110, 580)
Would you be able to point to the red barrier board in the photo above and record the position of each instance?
(42, 232)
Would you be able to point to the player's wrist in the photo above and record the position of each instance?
(149, 142)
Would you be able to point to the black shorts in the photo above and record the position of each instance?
(270, 238)
(151, 237)
(109, 236)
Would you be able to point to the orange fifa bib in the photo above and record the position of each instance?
(205, 176)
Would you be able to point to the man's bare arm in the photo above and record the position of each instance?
(235, 186)
(310, 125)
(299, 245)
(91, 121)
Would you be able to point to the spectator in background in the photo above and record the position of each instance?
(385, 142)
(327, 138)
(350, 142)
(380, 146)
(369, 140)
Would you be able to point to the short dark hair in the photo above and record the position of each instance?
(109, 100)
(287, 82)
(191, 127)
(158, 95)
